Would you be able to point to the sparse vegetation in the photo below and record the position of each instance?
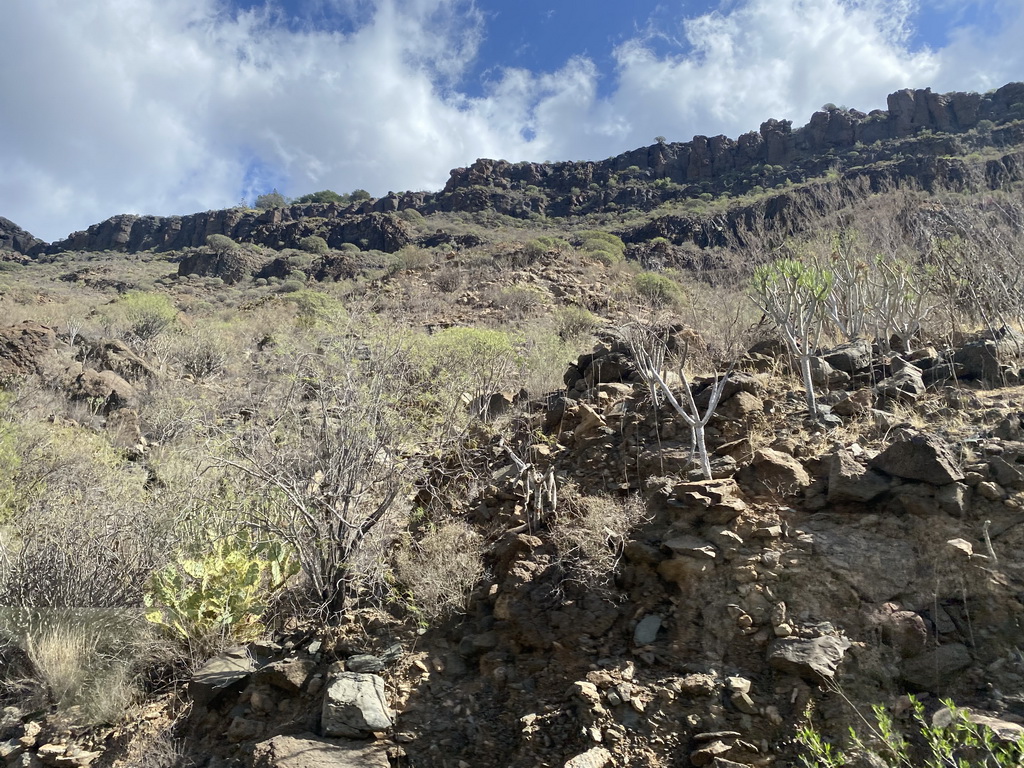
(429, 455)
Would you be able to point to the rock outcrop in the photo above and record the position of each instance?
(276, 228)
(922, 136)
(14, 238)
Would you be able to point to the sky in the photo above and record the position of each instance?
(175, 106)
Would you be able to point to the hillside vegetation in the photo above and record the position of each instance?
(690, 456)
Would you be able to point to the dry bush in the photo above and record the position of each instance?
(321, 460)
(86, 663)
(546, 357)
(576, 324)
(518, 300)
(440, 570)
(413, 258)
(201, 353)
(589, 532)
(448, 279)
(87, 532)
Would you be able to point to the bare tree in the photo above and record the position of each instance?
(793, 295)
(649, 354)
(324, 462)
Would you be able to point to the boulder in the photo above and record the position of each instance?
(849, 481)
(232, 266)
(738, 381)
(1007, 474)
(904, 630)
(852, 357)
(815, 659)
(288, 675)
(935, 670)
(27, 348)
(646, 631)
(308, 751)
(355, 706)
(597, 757)
(105, 391)
(114, 355)
(924, 458)
(774, 472)
(223, 672)
(824, 375)
(742, 406)
(986, 357)
(904, 386)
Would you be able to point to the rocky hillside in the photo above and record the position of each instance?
(827, 566)
(393, 484)
(932, 141)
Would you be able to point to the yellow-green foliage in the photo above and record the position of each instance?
(792, 276)
(951, 739)
(314, 307)
(659, 290)
(221, 595)
(574, 323)
(459, 363)
(313, 244)
(541, 246)
(140, 315)
(10, 461)
(603, 246)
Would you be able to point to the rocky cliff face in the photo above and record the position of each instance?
(276, 228)
(14, 238)
(711, 159)
(913, 139)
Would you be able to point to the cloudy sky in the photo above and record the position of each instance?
(175, 106)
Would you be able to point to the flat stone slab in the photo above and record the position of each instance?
(935, 670)
(815, 659)
(923, 458)
(646, 631)
(219, 674)
(598, 757)
(355, 706)
(308, 751)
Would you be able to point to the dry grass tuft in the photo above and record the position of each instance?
(441, 569)
(589, 532)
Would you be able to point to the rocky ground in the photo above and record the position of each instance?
(829, 565)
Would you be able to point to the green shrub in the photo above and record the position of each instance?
(951, 739)
(313, 244)
(221, 243)
(457, 365)
(271, 200)
(291, 285)
(603, 246)
(659, 290)
(202, 352)
(220, 597)
(411, 215)
(574, 323)
(315, 307)
(140, 315)
(324, 196)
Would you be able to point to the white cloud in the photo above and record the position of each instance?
(171, 106)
